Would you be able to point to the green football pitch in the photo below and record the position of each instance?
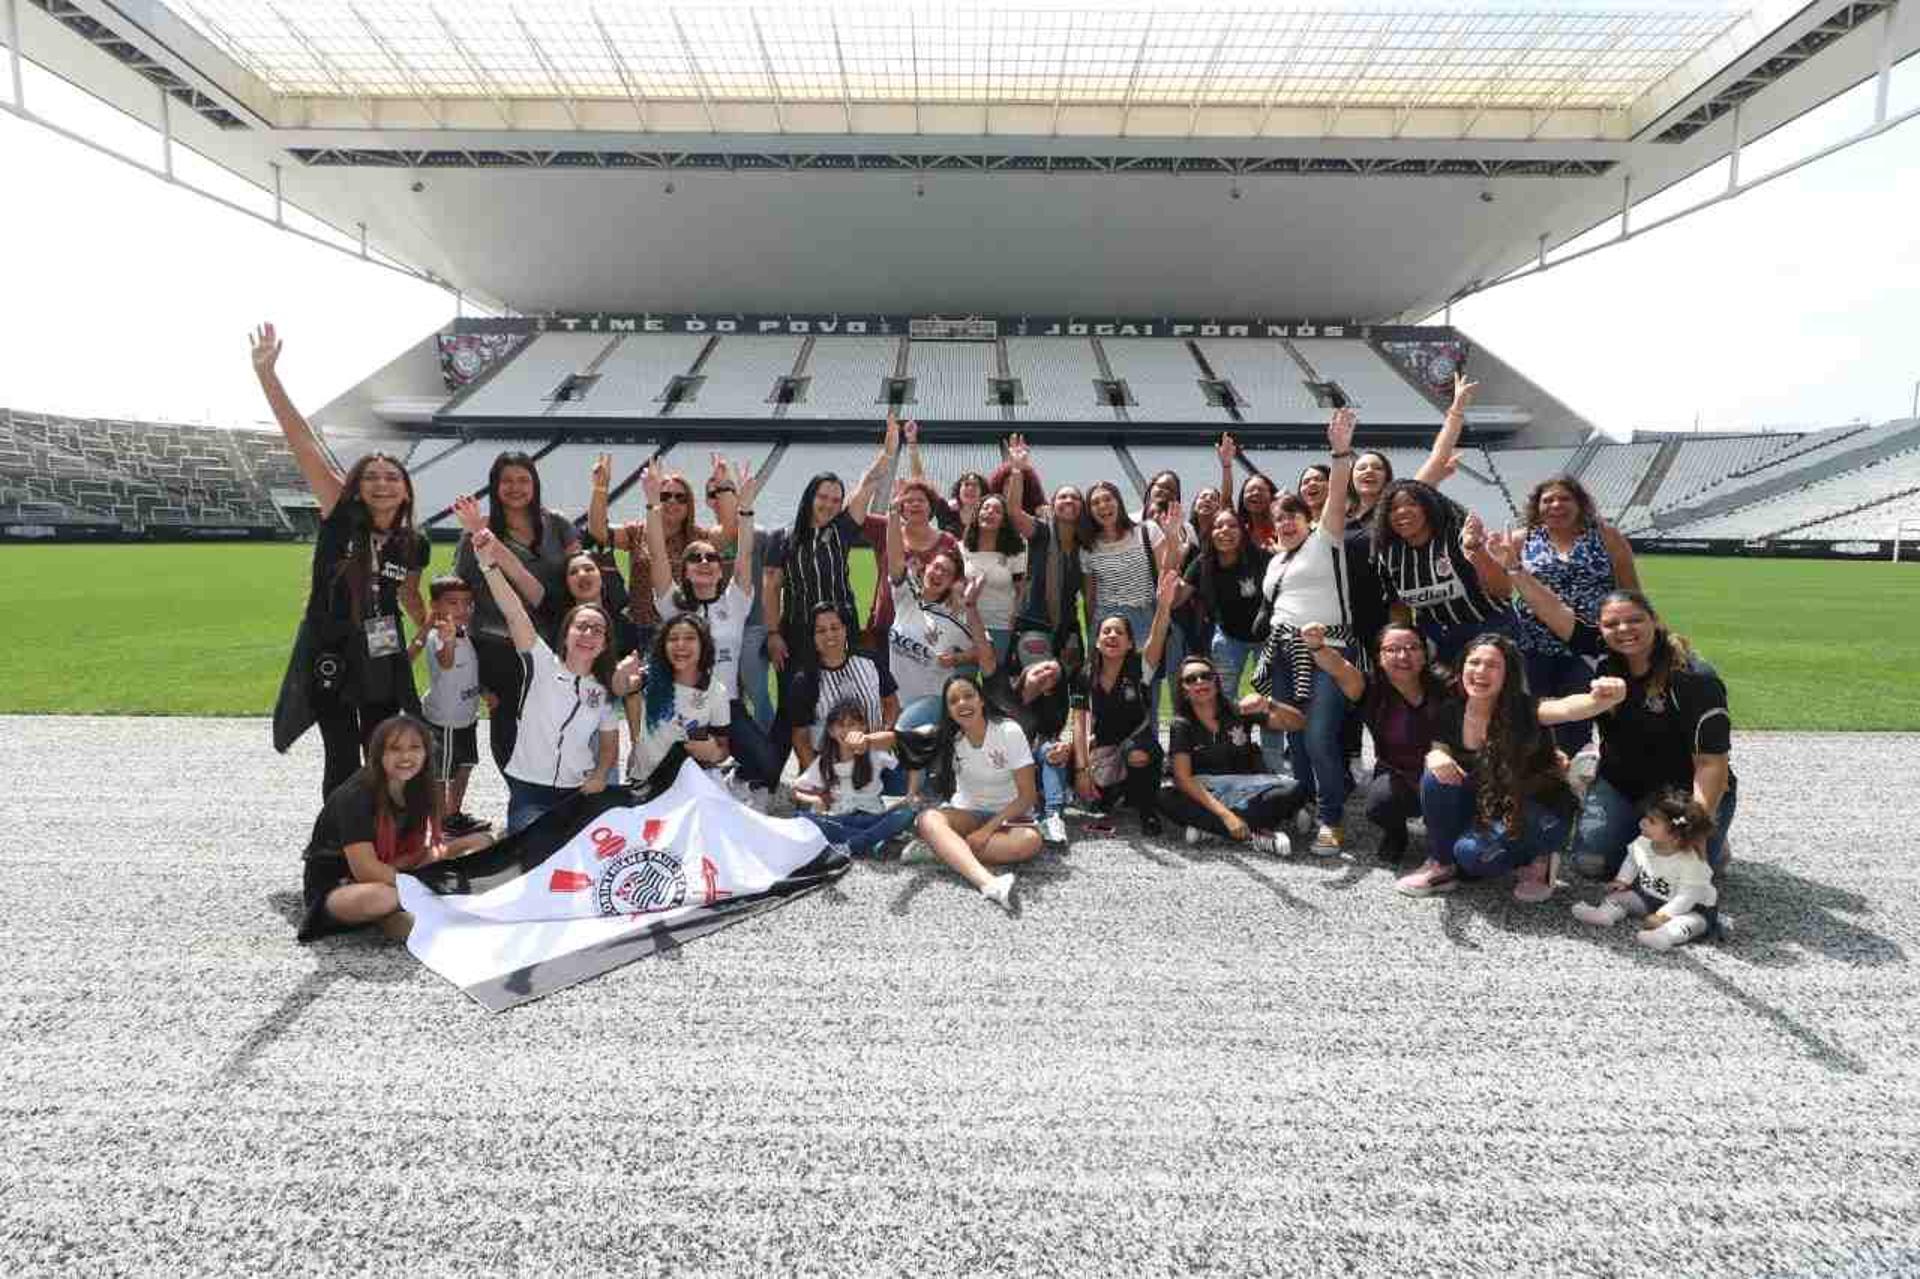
(204, 630)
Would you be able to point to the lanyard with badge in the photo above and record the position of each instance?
(382, 629)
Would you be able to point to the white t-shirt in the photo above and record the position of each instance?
(726, 615)
(846, 799)
(453, 692)
(693, 708)
(1312, 583)
(1681, 880)
(561, 718)
(983, 775)
(917, 639)
(998, 596)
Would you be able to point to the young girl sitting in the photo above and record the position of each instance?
(1666, 881)
(841, 788)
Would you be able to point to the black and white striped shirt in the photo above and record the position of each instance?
(815, 571)
(1124, 573)
(818, 689)
(1436, 581)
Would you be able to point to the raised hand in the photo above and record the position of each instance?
(602, 470)
(467, 510)
(745, 482)
(1462, 392)
(1168, 588)
(266, 349)
(970, 593)
(1227, 449)
(1018, 453)
(444, 626)
(635, 534)
(1169, 519)
(719, 473)
(913, 433)
(893, 434)
(651, 482)
(486, 547)
(1473, 534)
(626, 675)
(1340, 430)
(1504, 547)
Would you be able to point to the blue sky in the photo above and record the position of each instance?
(1793, 305)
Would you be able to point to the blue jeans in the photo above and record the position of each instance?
(1454, 836)
(1609, 821)
(528, 802)
(1056, 784)
(1448, 641)
(1317, 756)
(1230, 657)
(1562, 673)
(753, 676)
(862, 833)
(752, 748)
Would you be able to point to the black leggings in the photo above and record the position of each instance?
(344, 730)
(1268, 810)
(502, 674)
(1140, 787)
(1391, 802)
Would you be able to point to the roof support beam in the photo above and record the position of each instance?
(693, 69)
(773, 83)
(567, 102)
(326, 66)
(433, 106)
(13, 54)
(846, 88)
(1133, 79)
(480, 75)
(620, 68)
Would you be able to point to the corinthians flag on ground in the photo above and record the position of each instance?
(604, 880)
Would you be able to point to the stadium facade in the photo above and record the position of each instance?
(1113, 230)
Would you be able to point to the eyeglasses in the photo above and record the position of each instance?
(1402, 648)
(1196, 677)
(590, 628)
(703, 557)
(718, 489)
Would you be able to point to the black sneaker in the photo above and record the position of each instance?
(461, 824)
(1393, 845)
(1151, 824)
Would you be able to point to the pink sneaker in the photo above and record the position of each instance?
(1533, 882)
(1432, 877)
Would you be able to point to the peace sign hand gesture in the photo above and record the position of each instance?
(1018, 453)
(1340, 431)
(1462, 392)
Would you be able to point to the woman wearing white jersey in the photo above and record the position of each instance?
(569, 722)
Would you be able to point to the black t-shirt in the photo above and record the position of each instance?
(1231, 594)
(1230, 751)
(1540, 778)
(1367, 594)
(1649, 740)
(1119, 712)
(349, 817)
(381, 563)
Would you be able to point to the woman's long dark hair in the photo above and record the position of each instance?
(1224, 712)
(1007, 541)
(1518, 761)
(830, 750)
(1090, 527)
(1240, 503)
(354, 563)
(1668, 653)
(1439, 518)
(420, 798)
(1589, 513)
(803, 529)
(656, 681)
(497, 510)
(942, 773)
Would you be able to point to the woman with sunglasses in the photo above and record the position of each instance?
(567, 711)
(673, 511)
(921, 538)
(723, 606)
(1220, 784)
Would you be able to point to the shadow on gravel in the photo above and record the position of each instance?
(1254, 866)
(358, 956)
(1036, 880)
(1782, 918)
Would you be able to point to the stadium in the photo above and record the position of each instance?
(1115, 235)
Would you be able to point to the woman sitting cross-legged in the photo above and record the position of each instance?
(1397, 703)
(984, 762)
(564, 701)
(1116, 752)
(1220, 784)
(840, 791)
(1033, 694)
(1494, 792)
(380, 821)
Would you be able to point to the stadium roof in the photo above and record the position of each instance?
(1330, 160)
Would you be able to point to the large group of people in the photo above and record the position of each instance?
(1010, 665)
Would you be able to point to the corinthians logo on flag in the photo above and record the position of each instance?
(639, 880)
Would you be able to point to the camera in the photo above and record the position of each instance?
(329, 670)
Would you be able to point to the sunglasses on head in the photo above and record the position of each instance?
(703, 557)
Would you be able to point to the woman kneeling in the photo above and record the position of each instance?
(378, 822)
(989, 767)
(1219, 783)
(1494, 793)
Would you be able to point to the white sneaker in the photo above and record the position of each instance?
(1282, 845)
(1193, 835)
(918, 851)
(999, 891)
(1655, 939)
(1053, 829)
(1597, 914)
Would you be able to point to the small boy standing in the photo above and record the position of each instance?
(452, 704)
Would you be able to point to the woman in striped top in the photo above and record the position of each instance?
(1122, 562)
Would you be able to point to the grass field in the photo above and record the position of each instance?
(204, 630)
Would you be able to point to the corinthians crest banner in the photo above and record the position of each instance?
(603, 881)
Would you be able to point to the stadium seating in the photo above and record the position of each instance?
(1057, 377)
(740, 375)
(1613, 474)
(1377, 391)
(845, 378)
(1789, 513)
(1796, 454)
(635, 375)
(1701, 467)
(950, 381)
(1082, 466)
(136, 474)
(524, 385)
(1164, 380)
(1271, 387)
(1197, 465)
(1521, 469)
(464, 470)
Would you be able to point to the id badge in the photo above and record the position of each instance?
(383, 636)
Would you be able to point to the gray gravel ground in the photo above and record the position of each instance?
(1173, 1059)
